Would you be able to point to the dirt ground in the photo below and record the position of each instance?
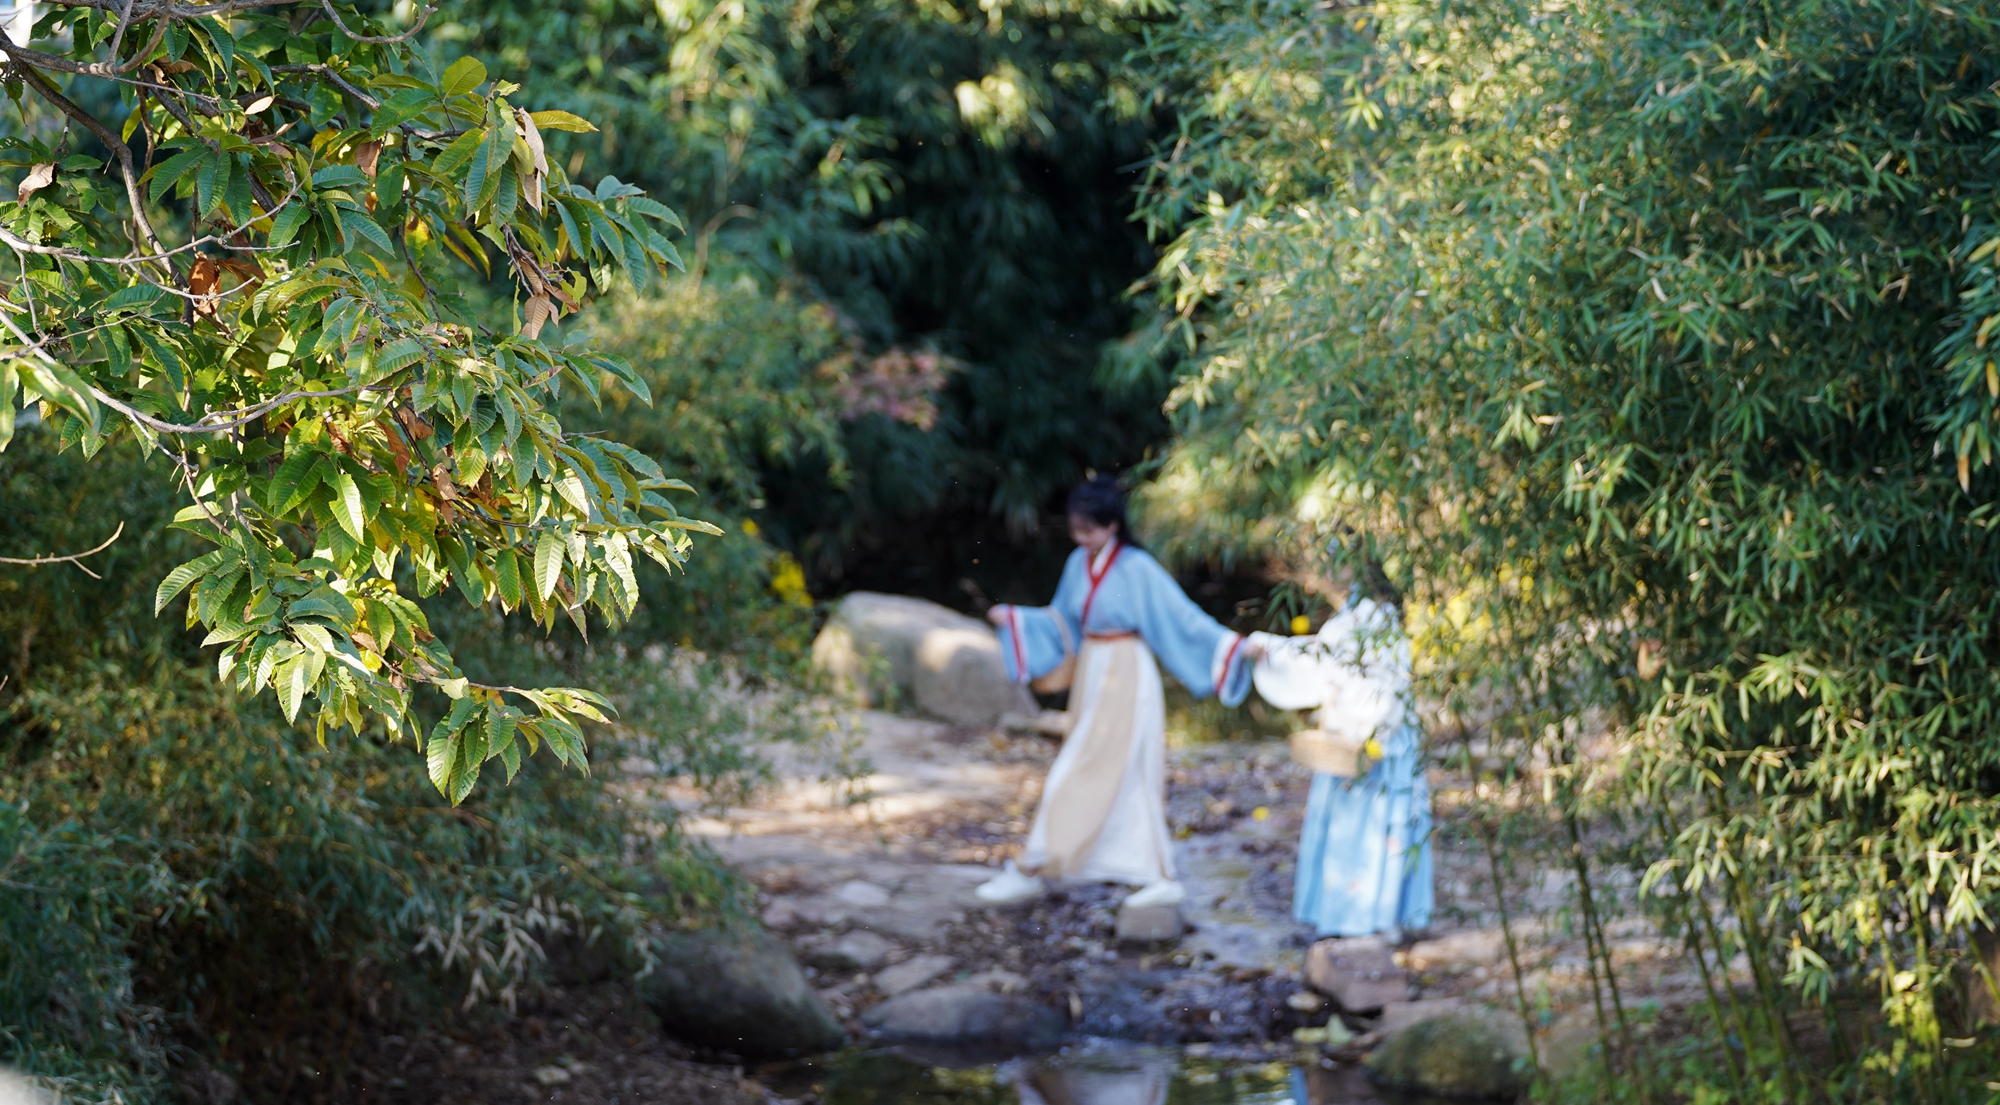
(886, 865)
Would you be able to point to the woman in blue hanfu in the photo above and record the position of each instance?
(1117, 617)
(1364, 862)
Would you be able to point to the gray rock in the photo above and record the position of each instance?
(861, 893)
(856, 951)
(1150, 924)
(961, 678)
(911, 973)
(737, 990)
(915, 922)
(1463, 1054)
(877, 647)
(1357, 972)
(965, 1014)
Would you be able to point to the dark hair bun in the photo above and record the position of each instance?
(1101, 500)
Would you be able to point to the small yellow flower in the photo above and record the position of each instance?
(1301, 626)
(1261, 813)
(750, 528)
(1373, 748)
(788, 581)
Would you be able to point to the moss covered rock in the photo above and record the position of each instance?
(1461, 1055)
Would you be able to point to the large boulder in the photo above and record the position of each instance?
(1467, 1054)
(737, 990)
(965, 1015)
(877, 647)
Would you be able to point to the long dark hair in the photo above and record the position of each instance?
(1101, 500)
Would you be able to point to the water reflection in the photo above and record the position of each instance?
(1100, 1073)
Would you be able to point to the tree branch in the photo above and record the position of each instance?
(112, 142)
(72, 558)
(422, 18)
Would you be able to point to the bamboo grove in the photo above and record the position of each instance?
(1647, 347)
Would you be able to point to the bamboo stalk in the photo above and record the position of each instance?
(1691, 936)
(1486, 835)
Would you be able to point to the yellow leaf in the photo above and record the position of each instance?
(561, 120)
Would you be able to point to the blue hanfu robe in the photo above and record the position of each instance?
(1121, 617)
(1134, 595)
(1364, 863)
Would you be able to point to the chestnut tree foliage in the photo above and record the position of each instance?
(237, 235)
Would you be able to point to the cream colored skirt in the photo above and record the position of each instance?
(1103, 816)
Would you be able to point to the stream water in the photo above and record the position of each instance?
(1098, 1073)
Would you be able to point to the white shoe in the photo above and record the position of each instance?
(1010, 887)
(1163, 893)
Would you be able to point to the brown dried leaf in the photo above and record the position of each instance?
(245, 267)
(205, 279)
(441, 476)
(399, 453)
(535, 314)
(367, 155)
(416, 427)
(38, 178)
(533, 137)
(531, 183)
(531, 190)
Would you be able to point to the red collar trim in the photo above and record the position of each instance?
(1097, 575)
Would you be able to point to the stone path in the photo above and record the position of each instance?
(872, 884)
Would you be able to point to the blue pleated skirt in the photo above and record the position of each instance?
(1365, 852)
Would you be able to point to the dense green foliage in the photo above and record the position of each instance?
(193, 882)
(1646, 344)
(253, 292)
(952, 177)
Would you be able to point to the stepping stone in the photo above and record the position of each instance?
(864, 894)
(856, 951)
(1358, 972)
(911, 973)
(1150, 924)
(965, 1014)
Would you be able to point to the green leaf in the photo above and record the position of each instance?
(170, 171)
(9, 385)
(499, 729)
(508, 568)
(399, 109)
(137, 295)
(211, 180)
(561, 120)
(548, 563)
(285, 490)
(398, 354)
(322, 602)
(341, 176)
(359, 224)
(646, 205)
(285, 224)
(459, 152)
(462, 76)
(178, 579)
(292, 684)
(482, 181)
(347, 504)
